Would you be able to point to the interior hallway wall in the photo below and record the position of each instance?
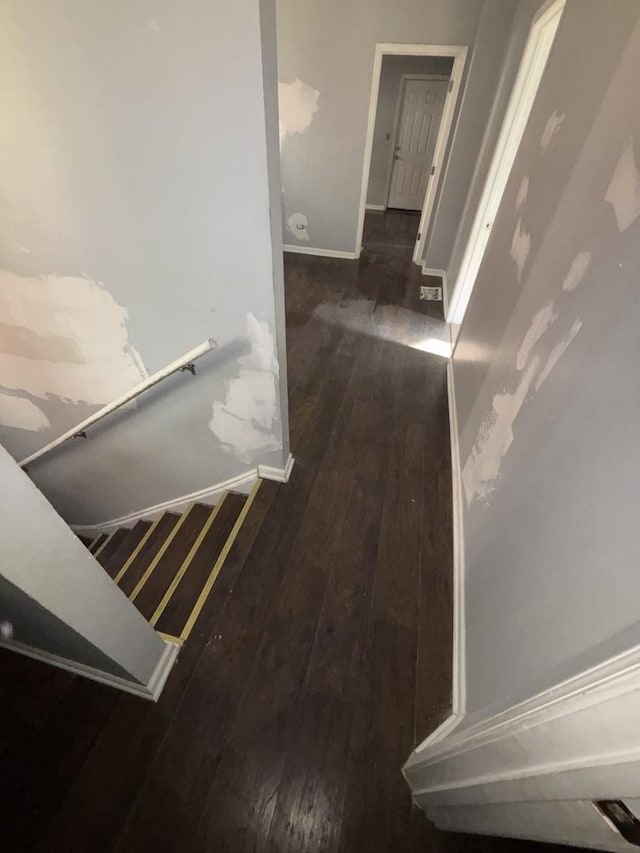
(525, 13)
(546, 384)
(325, 56)
(393, 67)
(140, 215)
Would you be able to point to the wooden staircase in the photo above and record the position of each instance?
(168, 567)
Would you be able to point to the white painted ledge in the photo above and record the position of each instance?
(321, 253)
(151, 690)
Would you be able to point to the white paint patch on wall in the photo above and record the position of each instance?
(577, 270)
(244, 422)
(20, 413)
(623, 192)
(557, 352)
(520, 247)
(523, 192)
(539, 325)
(64, 336)
(494, 438)
(298, 103)
(551, 129)
(298, 224)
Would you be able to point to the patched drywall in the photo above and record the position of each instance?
(298, 104)
(546, 387)
(21, 413)
(523, 191)
(244, 421)
(520, 247)
(623, 193)
(124, 216)
(65, 337)
(551, 130)
(298, 225)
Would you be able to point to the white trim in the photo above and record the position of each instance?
(321, 253)
(459, 54)
(280, 475)
(376, 207)
(211, 496)
(151, 690)
(459, 697)
(525, 88)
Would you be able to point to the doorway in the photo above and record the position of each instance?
(414, 93)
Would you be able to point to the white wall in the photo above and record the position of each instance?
(393, 67)
(57, 596)
(325, 58)
(138, 172)
(524, 14)
(546, 380)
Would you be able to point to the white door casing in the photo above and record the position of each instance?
(421, 104)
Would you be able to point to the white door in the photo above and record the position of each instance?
(421, 107)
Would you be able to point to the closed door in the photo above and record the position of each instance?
(421, 107)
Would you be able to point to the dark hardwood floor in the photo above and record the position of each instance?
(323, 654)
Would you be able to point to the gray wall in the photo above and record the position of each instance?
(482, 81)
(138, 155)
(329, 47)
(525, 12)
(546, 374)
(57, 595)
(393, 67)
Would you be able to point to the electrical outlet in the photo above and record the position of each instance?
(432, 294)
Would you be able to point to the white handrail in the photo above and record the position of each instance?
(185, 362)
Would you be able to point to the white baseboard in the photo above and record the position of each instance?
(458, 699)
(151, 690)
(322, 253)
(211, 496)
(280, 475)
(375, 207)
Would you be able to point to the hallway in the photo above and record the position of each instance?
(323, 654)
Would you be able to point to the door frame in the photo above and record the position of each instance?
(458, 53)
(396, 123)
(542, 34)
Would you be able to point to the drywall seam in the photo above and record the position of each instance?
(551, 130)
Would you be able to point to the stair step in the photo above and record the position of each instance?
(128, 545)
(168, 560)
(155, 537)
(111, 545)
(178, 609)
(98, 542)
(86, 540)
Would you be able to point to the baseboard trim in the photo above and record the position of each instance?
(242, 483)
(211, 496)
(150, 691)
(280, 475)
(375, 207)
(322, 253)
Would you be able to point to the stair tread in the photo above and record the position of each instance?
(97, 542)
(192, 522)
(127, 546)
(109, 548)
(86, 540)
(178, 610)
(161, 530)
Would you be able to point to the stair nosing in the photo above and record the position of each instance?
(129, 561)
(160, 554)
